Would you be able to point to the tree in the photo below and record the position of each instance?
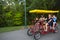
(11, 13)
(39, 4)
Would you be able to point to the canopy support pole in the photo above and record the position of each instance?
(25, 13)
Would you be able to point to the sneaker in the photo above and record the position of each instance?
(56, 31)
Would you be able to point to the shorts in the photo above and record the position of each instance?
(50, 24)
(54, 23)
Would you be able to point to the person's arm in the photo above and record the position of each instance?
(50, 20)
(45, 18)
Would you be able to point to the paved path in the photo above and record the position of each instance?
(22, 35)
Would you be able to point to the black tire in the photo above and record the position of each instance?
(56, 28)
(37, 36)
(29, 33)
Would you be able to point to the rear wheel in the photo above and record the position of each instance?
(29, 33)
(56, 29)
(37, 36)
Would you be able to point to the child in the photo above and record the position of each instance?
(54, 20)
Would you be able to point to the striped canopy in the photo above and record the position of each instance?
(43, 11)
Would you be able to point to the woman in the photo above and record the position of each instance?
(49, 22)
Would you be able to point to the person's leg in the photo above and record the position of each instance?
(51, 25)
(46, 26)
(54, 25)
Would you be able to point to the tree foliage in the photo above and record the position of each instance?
(12, 11)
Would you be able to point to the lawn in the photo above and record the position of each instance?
(7, 29)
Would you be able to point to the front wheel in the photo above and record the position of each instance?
(37, 36)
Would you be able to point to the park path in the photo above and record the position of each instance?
(22, 35)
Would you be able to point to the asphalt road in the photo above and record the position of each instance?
(22, 35)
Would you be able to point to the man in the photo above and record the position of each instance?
(42, 21)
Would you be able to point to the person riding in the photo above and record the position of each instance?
(36, 19)
(42, 18)
(49, 21)
(42, 21)
(54, 21)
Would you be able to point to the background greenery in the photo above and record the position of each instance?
(12, 11)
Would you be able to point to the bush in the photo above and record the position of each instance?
(18, 19)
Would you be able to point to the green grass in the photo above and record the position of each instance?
(7, 29)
